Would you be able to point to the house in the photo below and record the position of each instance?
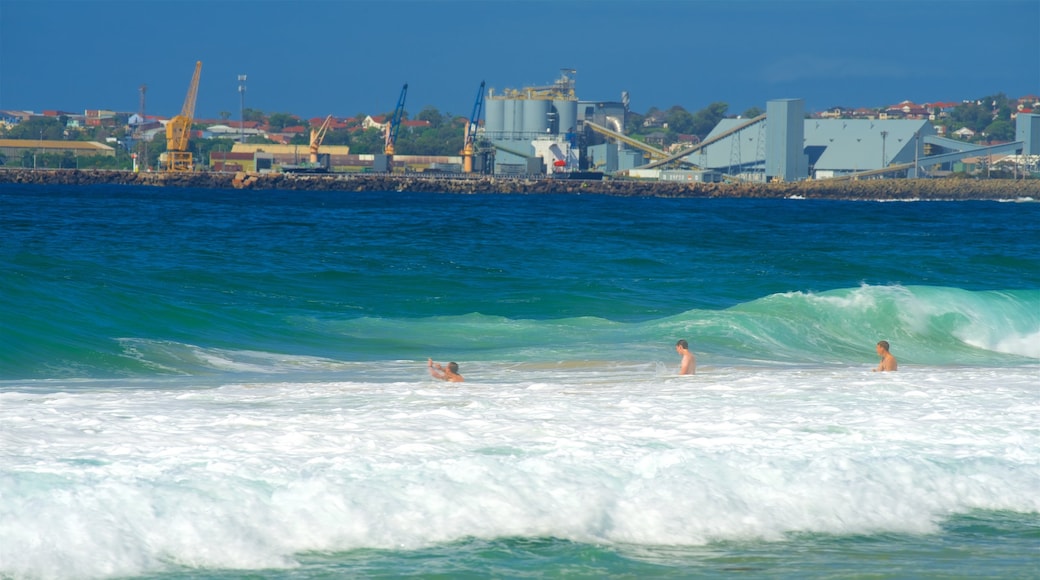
(100, 118)
(655, 139)
(9, 119)
(377, 122)
(652, 120)
(906, 110)
(964, 133)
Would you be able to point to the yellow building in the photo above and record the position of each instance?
(15, 148)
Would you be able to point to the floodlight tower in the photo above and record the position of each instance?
(242, 108)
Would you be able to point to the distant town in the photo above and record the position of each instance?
(430, 141)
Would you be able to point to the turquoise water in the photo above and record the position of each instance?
(200, 383)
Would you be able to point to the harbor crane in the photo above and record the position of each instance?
(314, 162)
(317, 136)
(469, 141)
(390, 135)
(178, 129)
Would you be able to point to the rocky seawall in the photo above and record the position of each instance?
(873, 189)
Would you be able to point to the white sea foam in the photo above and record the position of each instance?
(106, 479)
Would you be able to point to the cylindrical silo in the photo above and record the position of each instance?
(508, 117)
(494, 120)
(567, 113)
(536, 116)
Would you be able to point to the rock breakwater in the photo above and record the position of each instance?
(873, 189)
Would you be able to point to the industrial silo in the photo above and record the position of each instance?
(567, 114)
(494, 117)
(536, 117)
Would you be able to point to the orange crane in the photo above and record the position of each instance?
(317, 136)
(468, 143)
(178, 129)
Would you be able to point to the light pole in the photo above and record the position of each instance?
(39, 146)
(883, 135)
(242, 108)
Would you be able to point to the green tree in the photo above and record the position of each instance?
(634, 122)
(253, 115)
(1000, 131)
(752, 113)
(972, 115)
(679, 120)
(431, 114)
(279, 121)
(45, 128)
(706, 119)
(336, 137)
(368, 141)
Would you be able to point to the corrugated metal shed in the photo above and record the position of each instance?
(17, 146)
(834, 146)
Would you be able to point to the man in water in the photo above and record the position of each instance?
(888, 362)
(450, 374)
(689, 362)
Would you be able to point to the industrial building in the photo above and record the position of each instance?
(534, 128)
(783, 145)
(543, 129)
(546, 129)
(15, 148)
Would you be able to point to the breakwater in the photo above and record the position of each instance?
(872, 189)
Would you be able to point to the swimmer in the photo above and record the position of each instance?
(449, 373)
(888, 362)
(688, 366)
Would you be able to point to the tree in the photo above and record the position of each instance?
(45, 128)
(334, 137)
(706, 119)
(431, 114)
(752, 113)
(279, 121)
(633, 122)
(679, 120)
(1000, 131)
(367, 141)
(253, 115)
(972, 115)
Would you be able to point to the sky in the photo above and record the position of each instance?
(346, 57)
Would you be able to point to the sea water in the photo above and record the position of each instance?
(223, 384)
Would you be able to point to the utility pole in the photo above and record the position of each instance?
(884, 134)
(242, 108)
(141, 111)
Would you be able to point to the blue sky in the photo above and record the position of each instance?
(343, 57)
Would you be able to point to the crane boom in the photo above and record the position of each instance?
(317, 136)
(178, 129)
(471, 131)
(390, 139)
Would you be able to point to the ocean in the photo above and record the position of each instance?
(228, 384)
